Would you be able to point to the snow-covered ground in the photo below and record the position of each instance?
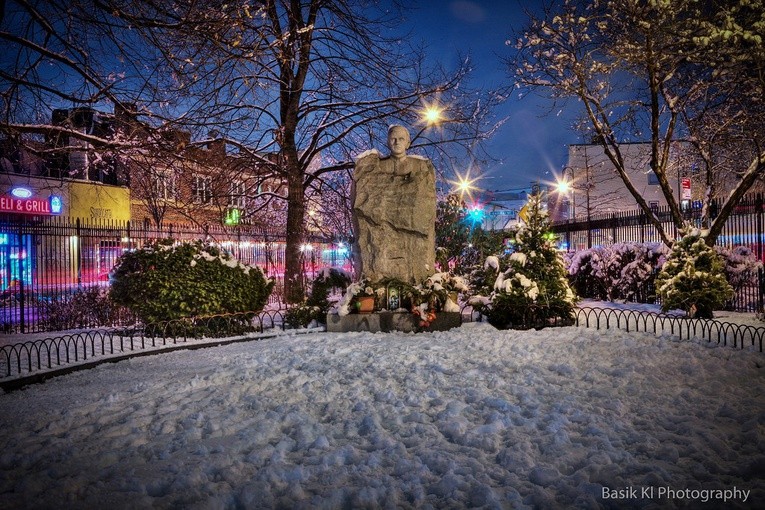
(474, 417)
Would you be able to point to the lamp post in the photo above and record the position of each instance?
(564, 188)
(569, 184)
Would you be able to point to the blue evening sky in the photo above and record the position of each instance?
(533, 144)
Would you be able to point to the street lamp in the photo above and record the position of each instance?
(464, 184)
(564, 187)
(431, 115)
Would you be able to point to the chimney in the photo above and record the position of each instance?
(216, 145)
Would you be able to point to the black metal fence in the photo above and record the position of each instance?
(743, 228)
(739, 336)
(36, 360)
(43, 262)
(33, 360)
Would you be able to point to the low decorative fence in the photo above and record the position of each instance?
(723, 333)
(34, 360)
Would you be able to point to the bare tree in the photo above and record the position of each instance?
(316, 82)
(658, 71)
(295, 87)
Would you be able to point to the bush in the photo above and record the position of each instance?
(300, 316)
(692, 279)
(86, 308)
(619, 271)
(166, 281)
(329, 279)
(740, 266)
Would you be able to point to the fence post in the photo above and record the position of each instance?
(78, 247)
(760, 276)
(22, 297)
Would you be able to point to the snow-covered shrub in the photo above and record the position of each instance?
(442, 290)
(692, 278)
(328, 279)
(581, 267)
(531, 288)
(741, 266)
(619, 271)
(318, 303)
(165, 281)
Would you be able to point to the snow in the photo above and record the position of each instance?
(367, 153)
(473, 417)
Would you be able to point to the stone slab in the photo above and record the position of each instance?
(387, 322)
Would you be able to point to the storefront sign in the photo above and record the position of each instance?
(31, 205)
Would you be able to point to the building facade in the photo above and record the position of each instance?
(594, 186)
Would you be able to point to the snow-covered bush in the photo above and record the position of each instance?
(531, 288)
(443, 288)
(692, 278)
(619, 271)
(741, 266)
(328, 279)
(165, 281)
(318, 303)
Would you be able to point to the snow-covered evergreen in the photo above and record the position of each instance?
(531, 288)
(692, 279)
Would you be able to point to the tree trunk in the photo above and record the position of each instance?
(294, 279)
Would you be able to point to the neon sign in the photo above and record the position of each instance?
(20, 192)
(30, 205)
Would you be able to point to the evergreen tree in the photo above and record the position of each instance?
(693, 278)
(533, 290)
(452, 232)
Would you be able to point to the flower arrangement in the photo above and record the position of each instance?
(441, 291)
(353, 292)
(437, 293)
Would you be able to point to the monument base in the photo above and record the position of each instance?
(387, 322)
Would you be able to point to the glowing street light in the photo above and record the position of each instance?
(432, 114)
(464, 184)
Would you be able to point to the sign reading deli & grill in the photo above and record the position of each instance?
(32, 205)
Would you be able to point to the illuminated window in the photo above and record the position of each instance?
(164, 186)
(201, 189)
(236, 194)
(653, 180)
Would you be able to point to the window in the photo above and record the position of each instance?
(201, 189)
(653, 180)
(164, 186)
(236, 194)
(653, 205)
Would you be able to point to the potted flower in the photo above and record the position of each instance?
(359, 297)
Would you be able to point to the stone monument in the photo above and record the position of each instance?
(394, 213)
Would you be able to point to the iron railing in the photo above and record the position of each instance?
(47, 262)
(723, 333)
(35, 360)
